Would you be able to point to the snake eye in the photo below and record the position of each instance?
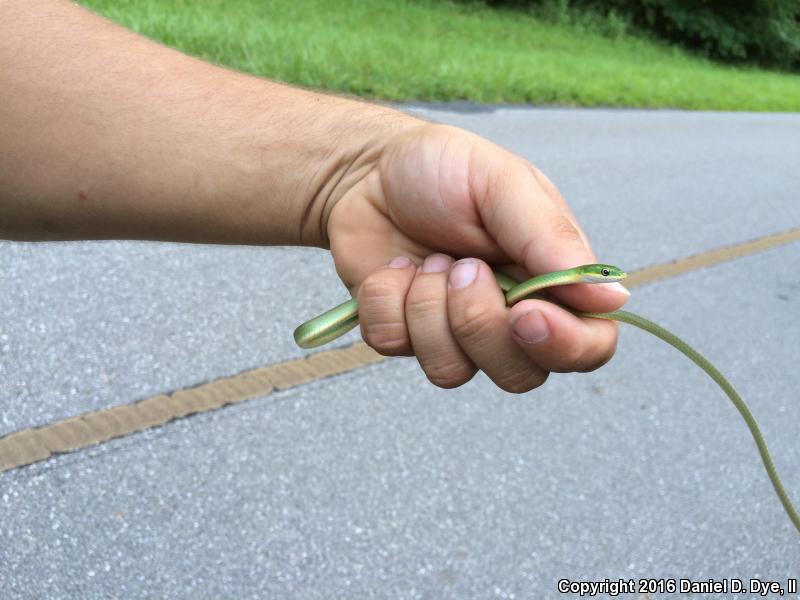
(605, 272)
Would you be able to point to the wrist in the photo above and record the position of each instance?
(353, 140)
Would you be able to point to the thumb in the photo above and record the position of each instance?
(532, 223)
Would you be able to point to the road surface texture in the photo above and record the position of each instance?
(374, 483)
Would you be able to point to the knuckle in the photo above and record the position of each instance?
(565, 228)
(423, 305)
(374, 289)
(383, 324)
(569, 359)
(449, 374)
(389, 339)
(522, 381)
(472, 324)
(600, 361)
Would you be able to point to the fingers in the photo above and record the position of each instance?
(454, 318)
(559, 341)
(437, 350)
(477, 316)
(381, 307)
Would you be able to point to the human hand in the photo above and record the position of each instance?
(438, 192)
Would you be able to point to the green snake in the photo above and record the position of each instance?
(341, 319)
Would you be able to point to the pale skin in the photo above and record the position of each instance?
(106, 134)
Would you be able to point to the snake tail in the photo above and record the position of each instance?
(335, 322)
(744, 410)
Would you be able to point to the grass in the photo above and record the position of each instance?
(405, 50)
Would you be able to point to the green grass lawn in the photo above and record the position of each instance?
(434, 50)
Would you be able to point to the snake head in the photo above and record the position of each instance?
(600, 273)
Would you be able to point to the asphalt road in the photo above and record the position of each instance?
(374, 484)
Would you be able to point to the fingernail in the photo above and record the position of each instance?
(532, 327)
(401, 262)
(436, 263)
(463, 273)
(616, 287)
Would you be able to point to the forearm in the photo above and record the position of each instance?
(105, 134)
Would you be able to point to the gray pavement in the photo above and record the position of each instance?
(374, 484)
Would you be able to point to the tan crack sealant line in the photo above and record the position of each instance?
(31, 445)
